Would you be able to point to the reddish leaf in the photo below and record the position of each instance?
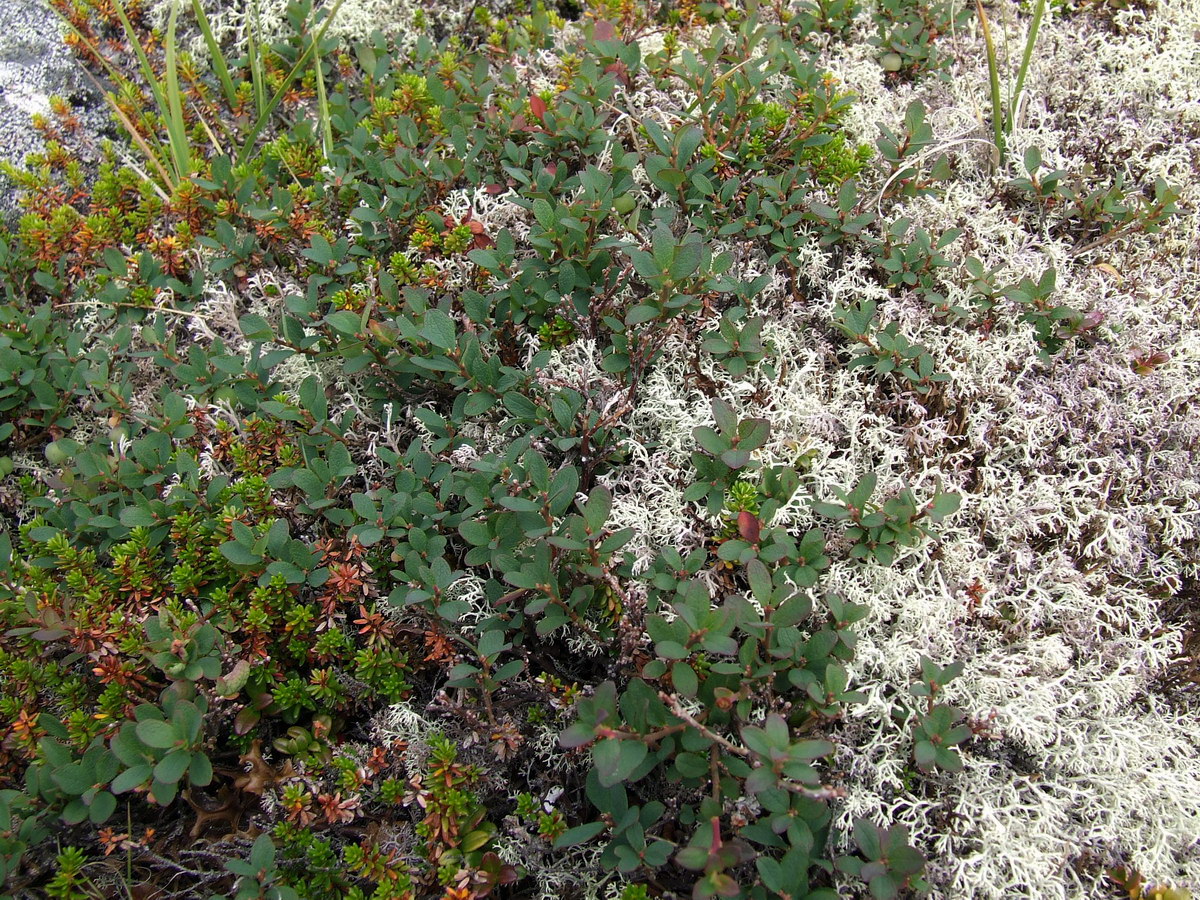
(604, 30)
(552, 168)
(246, 720)
(724, 885)
(494, 188)
(622, 73)
(538, 106)
(749, 527)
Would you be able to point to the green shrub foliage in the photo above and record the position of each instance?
(236, 546)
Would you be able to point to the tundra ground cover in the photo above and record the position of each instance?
(620, 451)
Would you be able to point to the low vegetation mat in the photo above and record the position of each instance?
(604, 452)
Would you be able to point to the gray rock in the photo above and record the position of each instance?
(35, 65)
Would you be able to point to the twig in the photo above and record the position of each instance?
(677, 710)
(96, 304)
(920, 157)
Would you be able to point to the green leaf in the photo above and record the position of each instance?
(948, 759)
(344, 322)
(884, 887)
(255, 328)
(925, 754)
(475, 533)
(156, 733)
(596, 510)
(510, 669)
(186, 720)
(75, 812)
(944, 505)
(580, 834)
(478, 404)
(240, 555)
(486, 259)
(520, 406)
(130, 779)
(830, 510)
(709, 440)
(321, 252)
(577, 735)
(563, 488)
(692, 765)
(671, 650)
(753, 433)
(201, 770)
(662, 246)
(664, 178)
(644, 312)
(688, 142)
(693, 858)
(544, 213)
(791, 612)
(725, 416)
(476, 839)
(617, 759)
(684, 678)
(262, 854)
(172, 766)
(135, 517)
(369, 535)
(867, 837)
(74, 779)
(735, 459)
(687, 261)
(519, 504)
(810, 749)
(862, 491)
(439, 329)
(103, 805)
(760, 581)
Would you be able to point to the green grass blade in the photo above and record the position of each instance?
(167, 187)
(265, 114)
(152, 148)
(220, 66)
(1039, 10)
(254, 58)
(181, 151)
(323, 108)
(994, 78)
(143, 60)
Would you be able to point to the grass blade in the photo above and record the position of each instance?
(1039, 10)
(214, 52)
(176, 124)
(212, 135)
(994, 78)
(254, 58)
(143, 60)
(265, 113)
(323, 108)
(153, 157)
(155, 153)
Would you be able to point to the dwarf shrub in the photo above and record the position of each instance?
(325, 538)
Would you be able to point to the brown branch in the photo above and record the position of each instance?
(677, 710)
